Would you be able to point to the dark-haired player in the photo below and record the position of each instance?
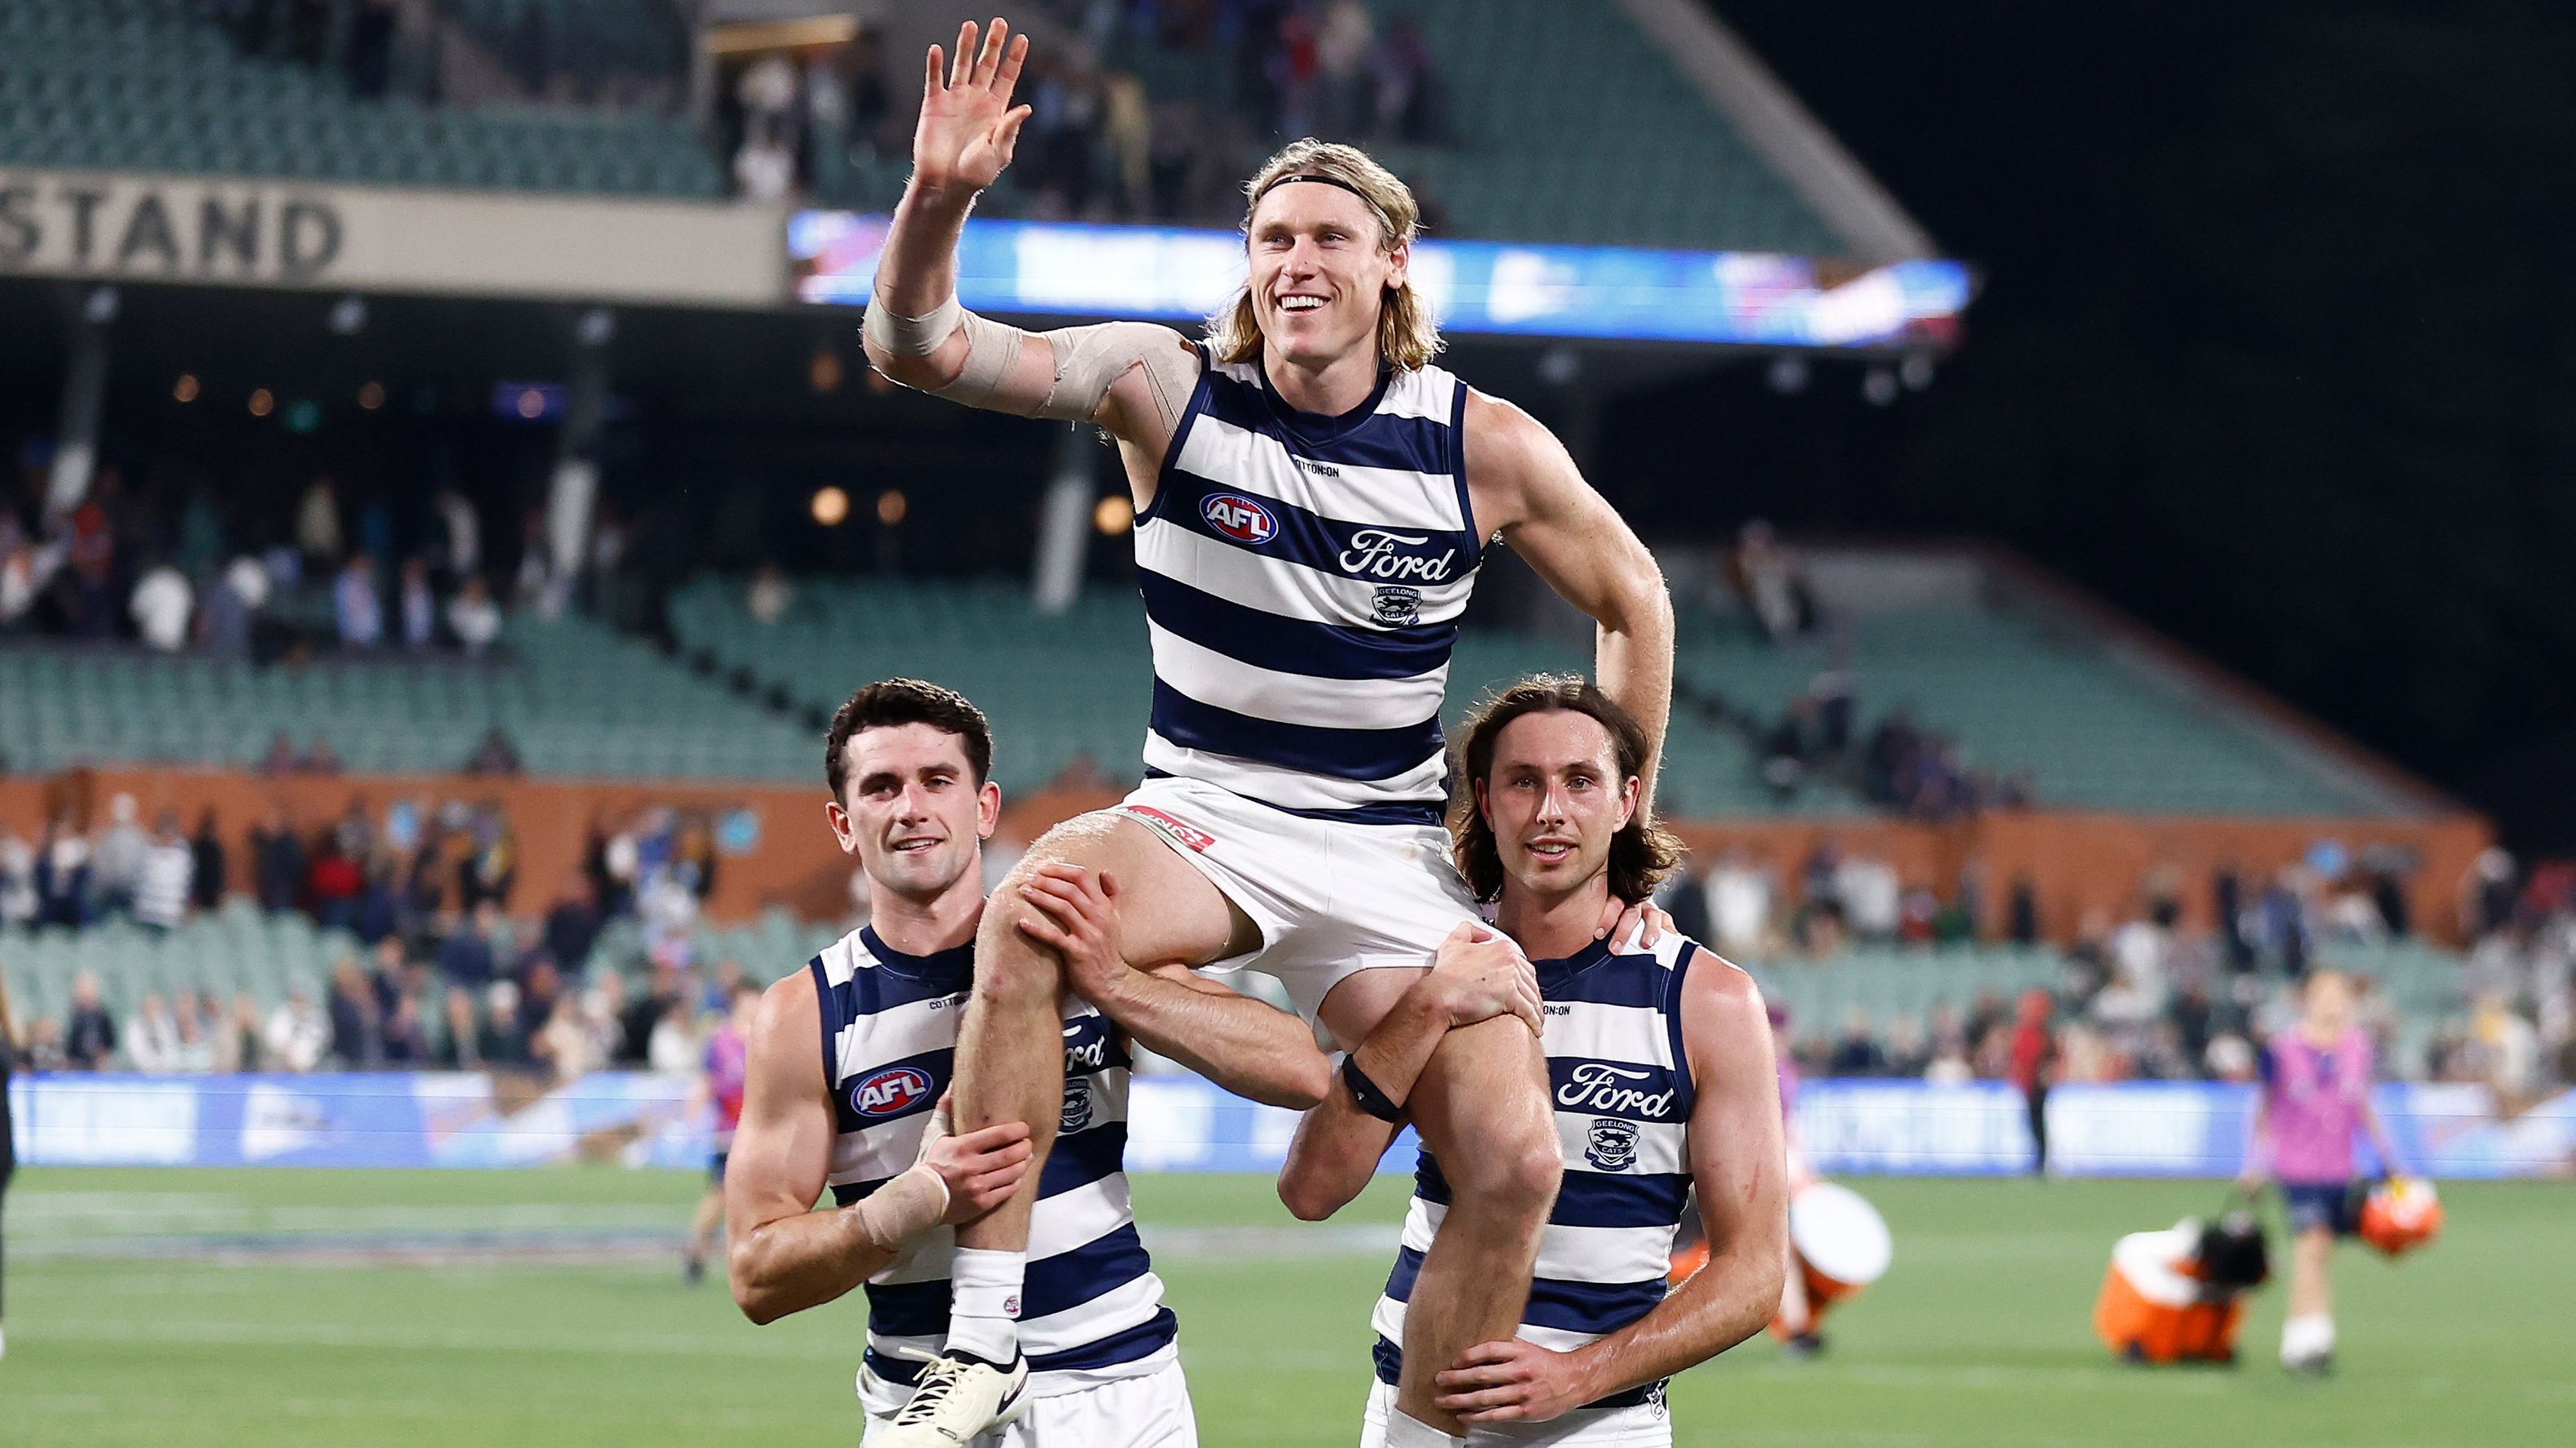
(1660, 1075)
(852, 1057)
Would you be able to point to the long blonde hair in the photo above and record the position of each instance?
(1407, 335)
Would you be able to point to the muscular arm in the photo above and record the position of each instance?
(1736, 1157)
(1249, 1047)
(1132, 378)
(1337, 1145)
(1525, 485)
(786, 1256)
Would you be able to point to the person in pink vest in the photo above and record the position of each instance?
(2315, 1101)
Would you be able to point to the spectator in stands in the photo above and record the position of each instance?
(161, 605)
(62, 876)
(572, 927)
(17, 878)
(116, 856)
(1792, 745)
(1345, 79)
(416, 607)
(26, 570)
(297, 1033)
(206, 878)
(1888, 767)
(357, 611)
(406, 1037)
(89, 1033)
(473, 617)
(467, 960)
(2021, 911)
(279, 760)
(371, 48)
(769, 597)
(490, 868)
(331, 884)
(320, 760)
(1872, 897)
(167, 880)
(462, 1044)
(277, 859)
(357, 1037)
(317, 526)
(152, 1037)
(495, 755)
(1412, 99)
(1857, 1052)
(1772, 584)
(193, 1018)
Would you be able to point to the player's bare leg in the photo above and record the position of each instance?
(1481, 1107)
(1010, 1057)
(702, 1232)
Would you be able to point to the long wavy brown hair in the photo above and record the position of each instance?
(1407, 337)
(1642, 855)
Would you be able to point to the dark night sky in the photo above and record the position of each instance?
(2277, 347)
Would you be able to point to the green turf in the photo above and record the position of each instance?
(1977, 1337)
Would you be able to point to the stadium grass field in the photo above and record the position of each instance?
(288, 1308)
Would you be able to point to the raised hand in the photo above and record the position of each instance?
(968, 127)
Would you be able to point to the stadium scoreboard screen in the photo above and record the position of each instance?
(1500, 288)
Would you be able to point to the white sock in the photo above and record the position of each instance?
(1406, 1431)
(2311, 1335)
(984, 1303)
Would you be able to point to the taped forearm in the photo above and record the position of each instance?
(1083, 362)
(902, 1209)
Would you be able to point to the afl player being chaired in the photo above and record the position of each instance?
(1312, 500)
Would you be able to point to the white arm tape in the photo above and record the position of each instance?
(909, 336)
(1090, 360)
(902, 1209)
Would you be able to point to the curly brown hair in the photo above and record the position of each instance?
(1642, 855)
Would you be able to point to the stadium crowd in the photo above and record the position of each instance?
(172, 567)
(1101, 144)
(437, 972)
(2141, 995)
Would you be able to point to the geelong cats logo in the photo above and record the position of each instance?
(1611, 1144)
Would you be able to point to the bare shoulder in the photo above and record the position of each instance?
(1721, 1005)
(787, 1030)
(1516, 467)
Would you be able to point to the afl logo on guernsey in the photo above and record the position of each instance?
(1239, 518)
(890, 1092)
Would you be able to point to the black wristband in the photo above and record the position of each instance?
(1365, 1091)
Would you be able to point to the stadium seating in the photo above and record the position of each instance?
(154, 85)
(2022, 692)
(242, 950)
(1570, 127)
(1075, 685)
(567, 694)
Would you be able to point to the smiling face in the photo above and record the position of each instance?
(912, 810)
(1555, 800)
(1319, 273)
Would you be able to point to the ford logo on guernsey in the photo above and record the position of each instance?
(1239, 518)
(890, 1092)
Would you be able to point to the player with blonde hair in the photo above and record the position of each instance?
(1313, 496)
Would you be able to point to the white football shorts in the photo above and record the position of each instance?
(1647, 1425)
(1151, 1411)
(1331, 898)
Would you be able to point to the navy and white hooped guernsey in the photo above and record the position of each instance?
(1091, 1309)
(1621, 1083)
(1303, 577)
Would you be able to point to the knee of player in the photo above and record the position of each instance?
(1518, 1173)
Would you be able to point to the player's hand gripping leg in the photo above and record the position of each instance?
(1482, 1109)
